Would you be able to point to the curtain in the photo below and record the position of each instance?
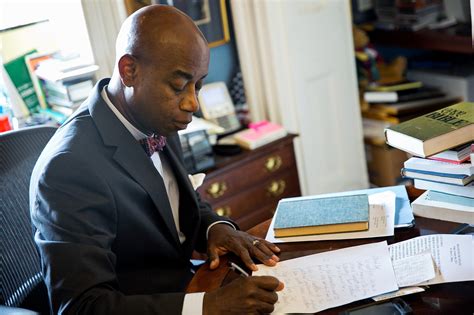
(103, 20)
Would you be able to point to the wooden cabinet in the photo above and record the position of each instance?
(247, 187)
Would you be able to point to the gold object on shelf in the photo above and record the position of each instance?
(217, 189)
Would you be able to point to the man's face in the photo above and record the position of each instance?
(165, 94)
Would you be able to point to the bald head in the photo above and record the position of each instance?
(162, 60)
(153, 28)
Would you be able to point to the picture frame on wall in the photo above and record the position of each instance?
(209, 15)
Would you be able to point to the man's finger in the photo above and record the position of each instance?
(262, 251)
(272, 246)
(280, 286)
(268, 283)
(244, 255)
(268, 296)
(266, 308)
(264, 257)
(213, 258)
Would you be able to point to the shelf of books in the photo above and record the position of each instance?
(441, 144)
(388, 106)
(45, 88)
(397, 84)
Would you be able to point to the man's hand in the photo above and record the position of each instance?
(246, 295)
(223, 239)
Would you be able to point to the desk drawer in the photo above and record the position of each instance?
(233, 180)
(249, 204)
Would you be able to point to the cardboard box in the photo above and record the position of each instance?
(384, 164)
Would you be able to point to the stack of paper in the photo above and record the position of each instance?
(321, 281)
(318, 282)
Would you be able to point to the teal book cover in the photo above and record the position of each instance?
(403, 212)
(322, 211)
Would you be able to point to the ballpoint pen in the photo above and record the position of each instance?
(236, 267)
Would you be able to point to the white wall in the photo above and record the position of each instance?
(66, 29)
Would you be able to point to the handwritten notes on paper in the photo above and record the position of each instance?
(321, 281)
(414, 269)
(453, 255)
(381, 223)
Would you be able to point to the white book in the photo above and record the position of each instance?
(466, 191)
(424, 207)
(428, 165)
(380, 97)
(455, 155)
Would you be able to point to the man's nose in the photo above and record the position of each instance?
(190, 103)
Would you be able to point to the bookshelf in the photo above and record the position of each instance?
(454, 39)
(453, 43)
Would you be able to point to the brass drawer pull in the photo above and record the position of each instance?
(276, 187)
(217, 189)
(273, 163)
(224, 211)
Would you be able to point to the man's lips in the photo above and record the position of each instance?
(182, 124)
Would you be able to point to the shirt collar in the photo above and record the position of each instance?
(137, 134)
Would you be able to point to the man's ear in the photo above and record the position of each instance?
(127, 66)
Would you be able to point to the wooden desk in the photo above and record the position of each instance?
(448, 298)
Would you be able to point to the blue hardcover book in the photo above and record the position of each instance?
(448, 198)
(403, 212)
(461, 176)
(322, 215)
(454, 179)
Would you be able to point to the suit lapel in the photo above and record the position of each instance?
(130, 155)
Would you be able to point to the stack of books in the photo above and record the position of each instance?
(395, 103)
(442, 143)
(389, 105)
(411, 15)
(66, 95)
(66, 84)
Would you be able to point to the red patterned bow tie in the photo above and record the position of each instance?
(153, 144)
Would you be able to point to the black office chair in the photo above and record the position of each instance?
(21, 280)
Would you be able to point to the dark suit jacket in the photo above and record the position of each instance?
(105, 230)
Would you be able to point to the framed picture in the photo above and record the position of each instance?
(209, 15)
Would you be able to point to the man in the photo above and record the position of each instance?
(116, 227)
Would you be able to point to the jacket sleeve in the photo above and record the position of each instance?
(208, 216)
(75, 219)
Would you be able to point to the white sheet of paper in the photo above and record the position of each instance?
(401, 292)
(321, 281)
(382, 221)
(453, 255)
(414, 269)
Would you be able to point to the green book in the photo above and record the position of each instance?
(20, 76)
(307, 216)
(399, 86)
(434, 132)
